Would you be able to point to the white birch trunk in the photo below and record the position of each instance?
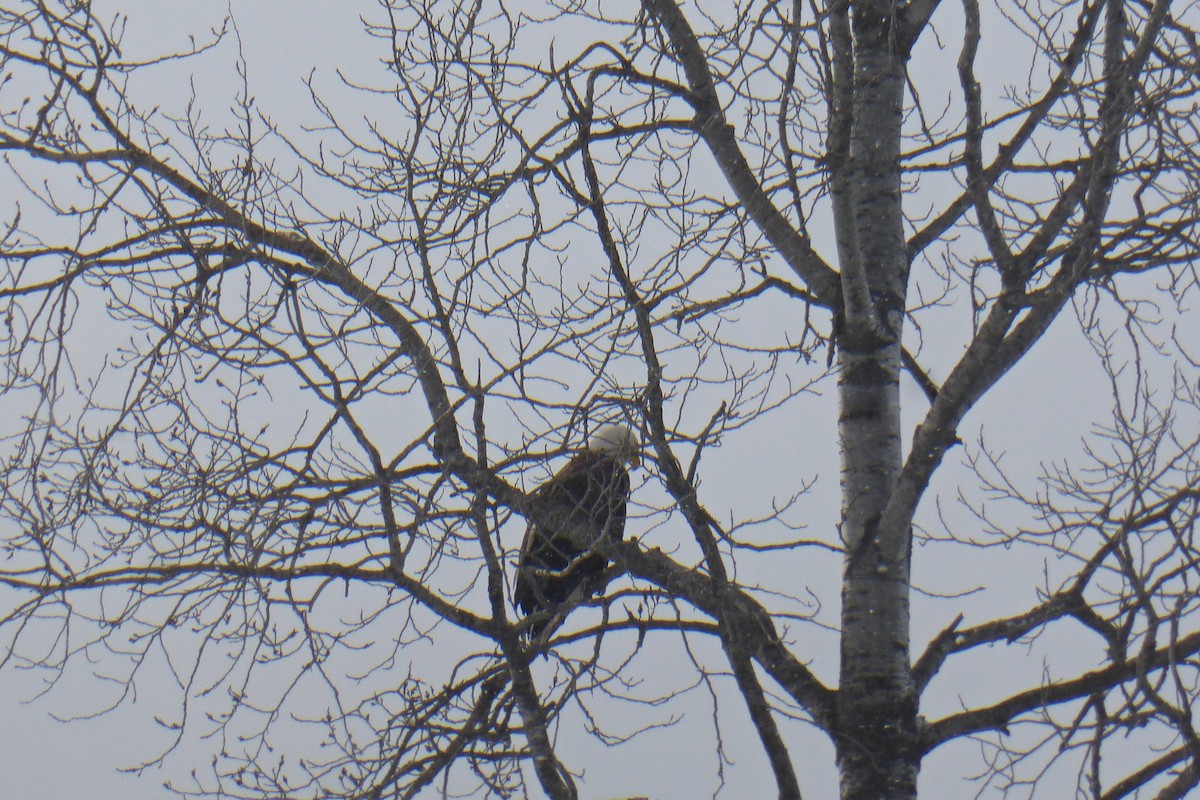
(876, 730)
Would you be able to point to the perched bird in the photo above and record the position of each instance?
(579, 506)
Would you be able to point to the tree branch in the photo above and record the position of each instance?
(1000, 716)
(719, 135)
(751, 620)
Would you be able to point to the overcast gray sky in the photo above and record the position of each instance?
(1040, 413)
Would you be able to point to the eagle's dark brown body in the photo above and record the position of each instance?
(589, 494)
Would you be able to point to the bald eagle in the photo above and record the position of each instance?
(582, 503)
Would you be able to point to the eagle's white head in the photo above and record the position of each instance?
(619, 441)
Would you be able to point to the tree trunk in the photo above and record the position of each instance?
(877, 754)
(876, 727)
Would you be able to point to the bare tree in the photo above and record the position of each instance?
(277, 395)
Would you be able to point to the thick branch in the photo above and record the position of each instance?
(43, 586)
(914, 16)
(951, 640)
(1131, 783)
(719, 135)
(1000, 716)
(751, 620)
(760, 714)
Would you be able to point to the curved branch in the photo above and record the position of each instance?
(719, 135)
(146, 576)
(764, 723)
(753, 622)
(319, 264)
(1000, 716)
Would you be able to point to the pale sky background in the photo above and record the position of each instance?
(1039, 413)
